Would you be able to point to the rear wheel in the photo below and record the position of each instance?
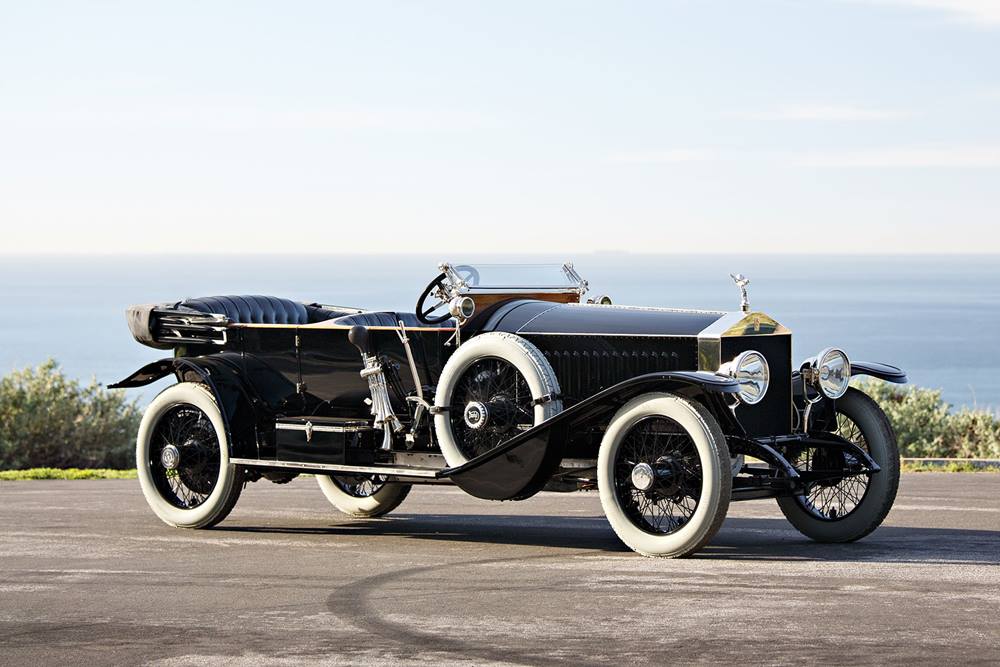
(182, 458)
(664, 475)
(847, 508)
(363, 496)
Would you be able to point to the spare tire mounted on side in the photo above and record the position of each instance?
(493, 387)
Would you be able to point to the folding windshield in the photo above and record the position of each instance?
(515, 277)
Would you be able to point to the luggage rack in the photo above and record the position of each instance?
(175, 327)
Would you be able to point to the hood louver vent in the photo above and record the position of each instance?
(584, 370)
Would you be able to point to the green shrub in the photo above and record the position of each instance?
(50, 421)
(950, 466)
(927, 427)
(65, 473)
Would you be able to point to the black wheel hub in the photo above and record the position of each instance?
(836, 495)
(830, 459)
(360, 486)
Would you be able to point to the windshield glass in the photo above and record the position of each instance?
(561, 277)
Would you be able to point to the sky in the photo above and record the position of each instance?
(674, 126)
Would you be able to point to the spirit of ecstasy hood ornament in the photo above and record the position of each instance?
(742, 282)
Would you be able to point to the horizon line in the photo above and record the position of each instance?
(512, 253)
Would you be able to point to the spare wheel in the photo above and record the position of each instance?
(493, 387)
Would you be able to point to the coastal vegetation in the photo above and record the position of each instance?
(53, 426)
(927, 426)
(66, 473)
(48, 420)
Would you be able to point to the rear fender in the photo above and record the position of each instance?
(521, 466)
(222, 374)
(148, 374)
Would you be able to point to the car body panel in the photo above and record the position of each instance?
(271, 375)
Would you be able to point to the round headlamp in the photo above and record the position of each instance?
(831, 372)
(751, 371)
(462, 307)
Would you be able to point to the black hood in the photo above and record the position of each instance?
(542, 317)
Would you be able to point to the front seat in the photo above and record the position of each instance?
(383, 318)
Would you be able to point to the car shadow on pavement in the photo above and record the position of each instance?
(766, 539)
(556, 532)
(739, 538)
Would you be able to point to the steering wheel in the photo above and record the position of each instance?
(424, 314)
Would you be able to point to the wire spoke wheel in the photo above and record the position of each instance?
(491, 402)
(360, 486)
(843, 500)
(836, 497)
(184, 457)
(662, 446)
(664, 475)
(363, 496)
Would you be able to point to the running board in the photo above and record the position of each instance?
(333, 467)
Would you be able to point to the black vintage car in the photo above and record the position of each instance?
(504, 382)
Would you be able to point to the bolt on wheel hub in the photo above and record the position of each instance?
(170, 457)
(476, 415)
(663, 474)
(643, 476)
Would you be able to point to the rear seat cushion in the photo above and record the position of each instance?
(253, 309)
(256, 309)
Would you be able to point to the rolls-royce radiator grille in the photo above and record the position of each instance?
(586, 365)
(773, 415)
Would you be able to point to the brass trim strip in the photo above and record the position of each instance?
(620, 335)
(324, 325)
(731, 325)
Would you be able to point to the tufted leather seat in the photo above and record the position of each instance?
(258, 309)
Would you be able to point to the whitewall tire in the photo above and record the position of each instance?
(493, 386)
(182, 458)
(363, 496)
(664, 475)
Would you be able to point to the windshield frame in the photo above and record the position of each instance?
(574, 284)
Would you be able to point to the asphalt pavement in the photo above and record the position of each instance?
(88, 575)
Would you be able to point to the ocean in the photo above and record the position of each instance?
(937, 317)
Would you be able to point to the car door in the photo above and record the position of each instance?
(272, 367)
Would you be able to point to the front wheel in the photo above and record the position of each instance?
(363, 496)
(182, 458)
(848, 508)
(664, 475)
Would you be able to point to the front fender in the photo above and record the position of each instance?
(880, 371)
(522, 465)
(223, 375)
